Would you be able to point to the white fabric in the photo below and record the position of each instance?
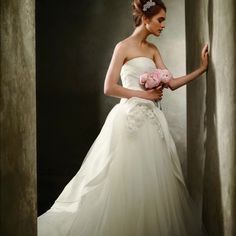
(131, 182)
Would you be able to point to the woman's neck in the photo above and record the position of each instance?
(140, 34)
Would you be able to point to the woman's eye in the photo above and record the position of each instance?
(160, 20)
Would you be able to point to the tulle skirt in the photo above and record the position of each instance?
(130, 182)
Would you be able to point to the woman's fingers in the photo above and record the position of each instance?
(205, 50)
(157, 93)
(204, 57)
(159, 88)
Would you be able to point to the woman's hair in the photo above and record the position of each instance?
(146, 8)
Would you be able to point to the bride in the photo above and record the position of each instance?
(130, 182)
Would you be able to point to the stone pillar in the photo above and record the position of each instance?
(196, 35)
(211, 113)
(17, 118)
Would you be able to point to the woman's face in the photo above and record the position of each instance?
(155, 25)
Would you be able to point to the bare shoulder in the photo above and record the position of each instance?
(123, 49)
(119, 54)
(122, 46)
(154, 49)
(157, 56)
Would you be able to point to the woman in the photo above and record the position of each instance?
(131, 182)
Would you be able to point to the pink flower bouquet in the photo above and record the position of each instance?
(155, 78)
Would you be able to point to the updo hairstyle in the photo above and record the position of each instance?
(138, 10)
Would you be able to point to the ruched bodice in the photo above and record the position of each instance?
(132, 69)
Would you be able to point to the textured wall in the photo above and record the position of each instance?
(211, 114)
(17, 119)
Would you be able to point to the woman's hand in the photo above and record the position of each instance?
(204, 58)
(155, 94)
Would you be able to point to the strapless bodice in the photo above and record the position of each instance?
(132, 69)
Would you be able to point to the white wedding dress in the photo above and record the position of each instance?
(130, 182)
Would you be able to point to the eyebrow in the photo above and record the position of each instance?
(162, 18)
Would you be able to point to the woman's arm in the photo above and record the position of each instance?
(180, 81)
(111, 86)
(157, 58)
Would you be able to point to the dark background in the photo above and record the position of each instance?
(74, 44)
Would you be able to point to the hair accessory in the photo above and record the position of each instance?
(148, 4)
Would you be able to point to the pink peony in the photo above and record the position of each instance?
(155, 78)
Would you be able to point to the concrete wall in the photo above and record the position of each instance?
(211, 113)
(17, 119)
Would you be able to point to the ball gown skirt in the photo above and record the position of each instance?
(130, 182)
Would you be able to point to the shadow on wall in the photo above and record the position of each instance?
(65, 117)
(75, 40)
(212, 199)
